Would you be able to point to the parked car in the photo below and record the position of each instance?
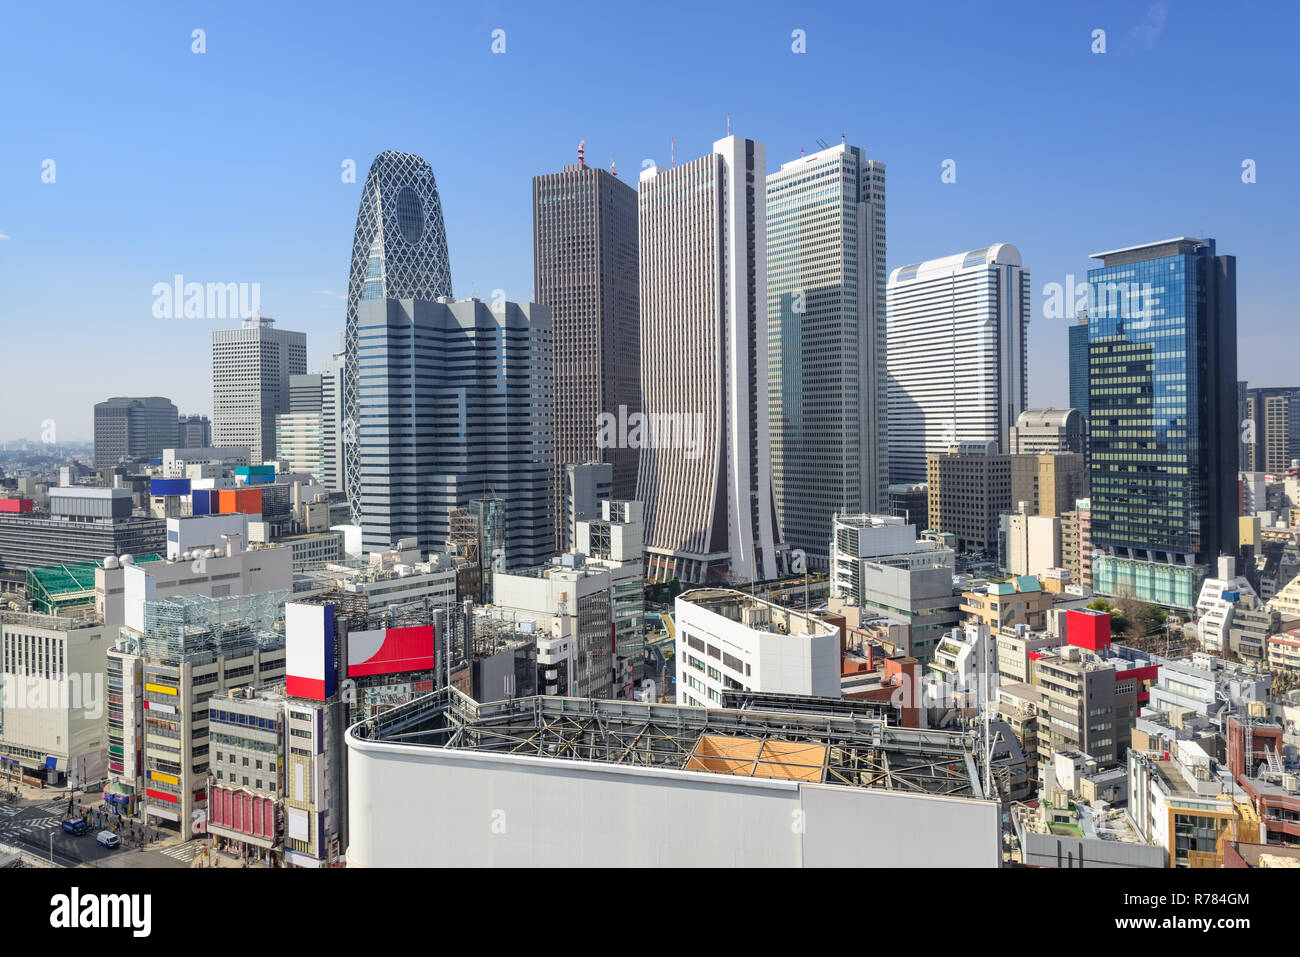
(77, 827)
(107, 839)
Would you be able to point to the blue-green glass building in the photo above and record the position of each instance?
(1162, 390)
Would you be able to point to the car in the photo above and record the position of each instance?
(77, 827)
(107, 839)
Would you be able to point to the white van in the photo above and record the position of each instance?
(107, 839)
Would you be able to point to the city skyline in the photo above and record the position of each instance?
(279, 216)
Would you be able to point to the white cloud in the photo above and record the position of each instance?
(328, 292)
(3, 236)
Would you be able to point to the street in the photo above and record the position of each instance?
(29, 823)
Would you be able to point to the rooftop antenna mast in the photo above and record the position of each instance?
(728, 123)
(581, 150)
(613, 167)
(672, 152)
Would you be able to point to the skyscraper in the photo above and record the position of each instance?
(706, 468)
(956, 354)
(1079, 364)
(331, 387)
(129, 428)
(251, 367)
(1274, 417)
(1162, 335)
(828, 383)
(195, 432)
(456, 405)
(399, 251)
(585, 270)
(300, 434)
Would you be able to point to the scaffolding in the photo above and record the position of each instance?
(849, 750)
(196, 627)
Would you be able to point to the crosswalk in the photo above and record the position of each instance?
(184, 852)
(31, 826)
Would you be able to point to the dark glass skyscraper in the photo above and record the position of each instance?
(399, 251)
(585, 269)
(1162, 335)
(1079, 365)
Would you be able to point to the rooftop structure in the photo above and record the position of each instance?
(742, 771)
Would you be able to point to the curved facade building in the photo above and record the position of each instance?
(955, 351)
(399, 251)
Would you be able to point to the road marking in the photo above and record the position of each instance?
(184, 852)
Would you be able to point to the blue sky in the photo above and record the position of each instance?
(225, 166)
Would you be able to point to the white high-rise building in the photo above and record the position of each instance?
(706, 466)
(332, 424)
(955, 347)
(251, 367)
(827, 383)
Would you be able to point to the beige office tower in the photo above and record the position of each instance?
(585, 269)
(251, 367)
(706, 467)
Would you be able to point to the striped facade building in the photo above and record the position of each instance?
(706, 468)
(956, 354)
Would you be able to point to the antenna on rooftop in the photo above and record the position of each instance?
(581, 149)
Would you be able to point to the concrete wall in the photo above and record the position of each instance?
(413, 807)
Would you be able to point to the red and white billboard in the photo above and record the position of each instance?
(390, 651)
(309, 650)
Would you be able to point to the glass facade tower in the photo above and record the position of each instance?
(827, 381)
(1162, 401)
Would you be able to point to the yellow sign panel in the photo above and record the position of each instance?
(161, 689)
(165, 778)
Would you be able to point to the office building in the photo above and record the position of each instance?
(81, 526)
(1079, 365)
(1048, 483)
(729, 641)
(613, 541)
(1275, 415)
(194, 432)
(1049, 431)
(300, 443)
(970, 489)
(910, 501)
(1008, 606)
(571, 604)
(706, 467)
(332, 425)
(251, 367)
(1091, 708)
(191, 648)
(956, 354)
(246, 772)
(53, 698)
(1162, 340)
(844, 775)
(585, 270)
(456, 403)
(399, 251)
(128, 429)
(878, 565)
(827, 381)
(585, 486)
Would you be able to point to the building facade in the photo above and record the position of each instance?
(706, 468)
(585, 270)
(827, 381)
(251, 367)
(956, 354)
(1162, 340)
(399, 251)
(127, 428)
(456, 403)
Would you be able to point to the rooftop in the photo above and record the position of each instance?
(849, 750)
